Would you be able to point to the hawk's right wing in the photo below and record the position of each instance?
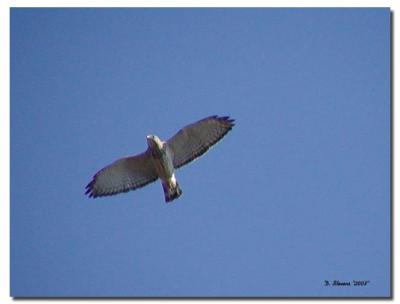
(195, 139)
(123, 175)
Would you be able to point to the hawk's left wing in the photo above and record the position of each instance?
(125, 174)
(195, 139)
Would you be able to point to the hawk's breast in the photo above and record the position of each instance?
(163, 163)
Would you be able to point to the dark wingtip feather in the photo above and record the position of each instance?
(88, 186)
(226, 119)
(89, 189)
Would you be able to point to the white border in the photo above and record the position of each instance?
(5, 109)
(205, 3)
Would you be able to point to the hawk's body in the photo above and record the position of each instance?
(160, 160)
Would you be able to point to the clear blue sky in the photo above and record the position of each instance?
(297, 193)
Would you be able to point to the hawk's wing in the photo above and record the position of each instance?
(195, 139)
(125, 174)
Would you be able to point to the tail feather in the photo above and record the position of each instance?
(171, 192)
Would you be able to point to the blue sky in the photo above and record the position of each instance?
(298, 192)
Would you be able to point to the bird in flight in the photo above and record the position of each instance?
(160, 160)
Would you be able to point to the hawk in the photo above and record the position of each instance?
(160, 160)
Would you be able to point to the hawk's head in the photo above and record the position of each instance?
(154, 142)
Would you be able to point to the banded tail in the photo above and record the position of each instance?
(171, 190)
